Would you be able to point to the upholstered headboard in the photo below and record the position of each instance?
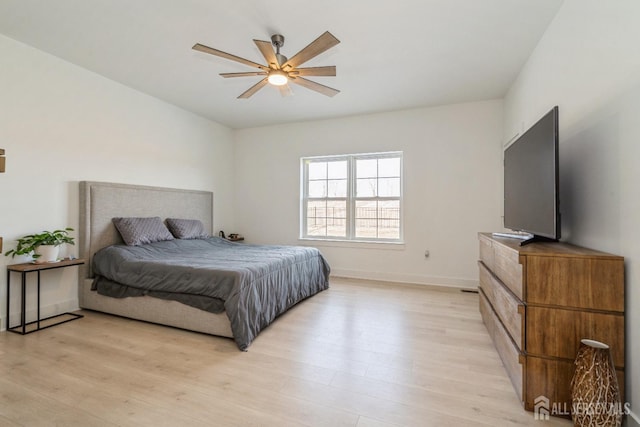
(101, 201)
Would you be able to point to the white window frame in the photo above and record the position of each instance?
(350, 198)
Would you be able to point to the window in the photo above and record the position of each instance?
(352, 197)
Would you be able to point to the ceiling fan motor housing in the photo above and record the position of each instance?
(278, 41)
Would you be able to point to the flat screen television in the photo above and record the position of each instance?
(531, 182)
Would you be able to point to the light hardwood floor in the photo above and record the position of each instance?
(360, 354)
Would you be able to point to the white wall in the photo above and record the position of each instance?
(588, 63)
(61, 124)
(452, 181)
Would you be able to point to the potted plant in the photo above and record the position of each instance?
(45, 246)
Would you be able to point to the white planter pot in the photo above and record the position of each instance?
(47, 253)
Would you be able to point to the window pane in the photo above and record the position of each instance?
(389, 219)
(366, 168)
(316, 218)
(337, 170)
(337, 218)
(366, 187)
(337, 188)
(317, 188)
(366, 219)
(317, 209)
(389, 187)
(327, 218)
(389, 167)
(318, 170)
(389, 209)
(389, 229)
(378, 219)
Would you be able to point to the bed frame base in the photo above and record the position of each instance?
(101, 201)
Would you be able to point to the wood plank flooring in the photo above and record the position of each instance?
(361, 354)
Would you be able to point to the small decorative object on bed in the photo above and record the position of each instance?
(191, 281)
(44, 246)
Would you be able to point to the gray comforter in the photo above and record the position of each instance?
(253, 283)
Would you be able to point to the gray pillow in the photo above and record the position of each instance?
(140, 231)
(187, 228)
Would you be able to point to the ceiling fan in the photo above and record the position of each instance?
(279, 70)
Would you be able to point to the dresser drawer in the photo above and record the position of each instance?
(486, 252)
(511, 357)
(585, 283)
(508, 268)
(509, 309)
(551, 378)
(546, 338)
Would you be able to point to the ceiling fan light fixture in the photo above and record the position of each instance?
(277, 78)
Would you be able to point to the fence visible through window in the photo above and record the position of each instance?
(371, 222)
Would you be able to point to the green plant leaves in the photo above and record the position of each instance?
(28, 243)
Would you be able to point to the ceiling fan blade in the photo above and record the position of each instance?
(267, 51)
(253, 89)
(225, 55)
(245, 74)
(315, 48)
(325, 90)
(285, 90)
(314, 71)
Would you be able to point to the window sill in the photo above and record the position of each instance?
(358, 244)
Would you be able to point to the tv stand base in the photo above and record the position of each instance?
(535, 239)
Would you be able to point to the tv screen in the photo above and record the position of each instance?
(531, 184)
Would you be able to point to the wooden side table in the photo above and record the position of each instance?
(29, 267)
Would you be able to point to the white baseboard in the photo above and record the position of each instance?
(45, 311)
(406, 278)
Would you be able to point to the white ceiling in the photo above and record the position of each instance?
(392, 55)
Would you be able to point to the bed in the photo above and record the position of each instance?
(250, 283)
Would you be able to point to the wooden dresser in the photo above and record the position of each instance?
(538, 301)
